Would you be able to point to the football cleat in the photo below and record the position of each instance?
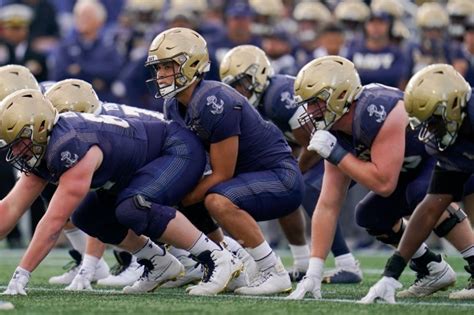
(220, 266)
(157, 270)
(270, 281)
(194, 272)
(343, 275)
(72, 268)
(248, 274)
(125, 272)
(296, 274)
(468, 292)
(440, 276)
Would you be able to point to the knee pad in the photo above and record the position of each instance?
(388, 236)
(199, 217)
(455, 216)
(144, 217)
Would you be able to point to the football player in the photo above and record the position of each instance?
(254, 176)
(361, 133)
(133, 189)
(79, 96)
(440, 107)
(248, 70)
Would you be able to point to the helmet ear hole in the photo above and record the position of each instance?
(342, 95)
(194, 64)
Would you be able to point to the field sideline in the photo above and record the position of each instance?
(44, 298)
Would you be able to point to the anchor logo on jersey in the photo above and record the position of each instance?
(288, 99)
(69, 159)
(380, 114)
(217, 105)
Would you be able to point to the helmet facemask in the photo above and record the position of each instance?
(247, 81)
(179, 82)
(23, 153)
(438, 131)
(318, 115)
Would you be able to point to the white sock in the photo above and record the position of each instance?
(202, 244)
(89, 262)
(468, 252)
(77, 238)
(300, 255)
(346, 260)
(263, 256)
(232, 244)
(178, 252)
(315, 268)
(420, 251)
(149, 250)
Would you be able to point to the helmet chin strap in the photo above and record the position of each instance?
(172, 91)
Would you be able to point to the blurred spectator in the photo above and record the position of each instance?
(239, 17)
(331, 41)
(311, 17)
(433, 46)
(65, 18)
(352, 15)
(468, 49)
(44, 29)
(278, 47)
(138, 21)
(85, 54)
(459, 12)
(377, 59)
(267, 15)
(15, 22)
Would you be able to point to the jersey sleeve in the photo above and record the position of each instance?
(221, 117)
(64, 153)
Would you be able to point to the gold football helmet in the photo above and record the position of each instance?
(247, 66)
(312, 11)
(355, 11)
(435, 100)
(73, 95)
(26, 121)
(391, 7)
(14, 78)
(184, 47)
(326, 88)
(460, 8)
(432, 15)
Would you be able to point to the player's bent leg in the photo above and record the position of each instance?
(272, 278)
(293, 226)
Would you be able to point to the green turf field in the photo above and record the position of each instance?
(338, 299)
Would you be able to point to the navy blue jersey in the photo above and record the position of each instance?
(127, 145)
(278, 103)
(460, 155)
(374, 103)
(386, 66)
(218, 112)
(441, 51)
(124, 111)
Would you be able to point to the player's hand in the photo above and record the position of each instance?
(325, 144)
(18, 282)
(82, 281)
(307, 284)
(384, 290)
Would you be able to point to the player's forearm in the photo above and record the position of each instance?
(375, 178)
(44, 239)
(307, 160)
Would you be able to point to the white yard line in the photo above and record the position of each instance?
(268, 298)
